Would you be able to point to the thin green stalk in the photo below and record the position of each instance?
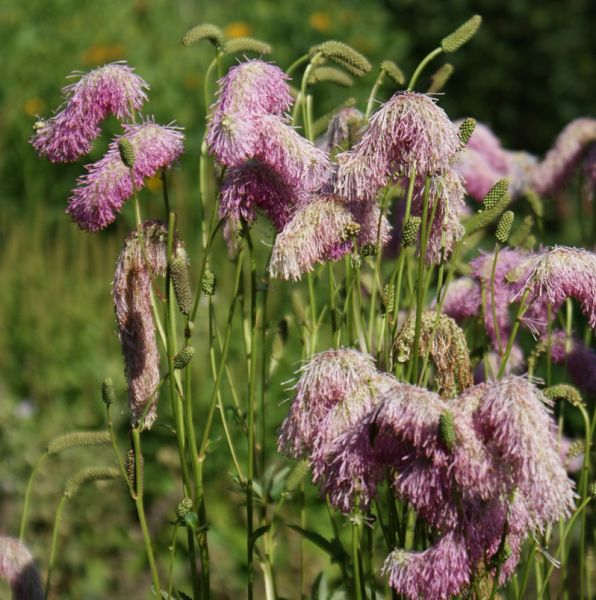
(297, 63)
(303, 99)
(492, 298)
(172, 557)
(54, 544)
(520, 313)
(264, 376)
(583, 490)
(420, 298)
(421, 67)
(136, 440)
(373, 94)
(335, 330)
(526, 571)
(359, 591)
(36, 467)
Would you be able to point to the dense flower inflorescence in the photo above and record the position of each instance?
(18, 569)
(111, 89)
(104, 189)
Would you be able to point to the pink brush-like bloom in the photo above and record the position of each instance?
(478, 175)
(409, 132)
(488, 145)
(111, 89)
(520, 172)
(319, 231)
(343, 130)
(248, 91)
(139, 262)
(328, 379)
(437, 573)
(556, 274)
(254, 186)
(579, 360)
(508, 259)
(462, 299)
(101, 193)
(18, 569)
(447, 192)
(565, 155)
(514, 419)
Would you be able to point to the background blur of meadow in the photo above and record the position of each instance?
(529, 71)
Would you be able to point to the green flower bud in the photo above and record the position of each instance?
(461, 35)
(108, 392)
(183, 357)
(504, 226)
(127, 152)
(409, 235)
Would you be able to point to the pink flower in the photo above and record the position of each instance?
(566, 153)
(409, 132)
(111, 89)
(343, 130)
(462, 299)
(101, 193)
(478, 174)
(488, 145)
(18, 569)
(437, 573)
(579, 360)
(139, 262)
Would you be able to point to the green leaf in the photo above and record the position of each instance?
(257, 533)
(333, 547)
(320, 587)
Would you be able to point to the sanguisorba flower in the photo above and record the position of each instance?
(102, 191)
(565, 155)
(408, 132)
(248, 91)
(141, 259)
(111, 89)
(18, 569)
(559, 273)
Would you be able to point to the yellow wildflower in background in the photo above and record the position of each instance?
(34, 106)
(320, 20)
(99, 54)
(154, 183)
(237, 29)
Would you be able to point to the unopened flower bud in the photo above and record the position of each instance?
(208, 282)
(564, 392)
(181, 282)
(389, 67)
(369, 250)
(504, 226)
(461, 35)
(495, 194)
(205, 31)
(351, 230)
(183, 357)
(446, 430)
(183, 508)
(466, 129)
(592, 490)
(127, 152)
(388, 298)
(410, 231)
(108, 392)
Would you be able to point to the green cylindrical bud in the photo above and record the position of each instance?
(78, 439)
(350, 231)
(461, 35)
(592, 490)
(343, 55)
(205, 31)
(446, 429)
(183, 357)
(409, 235)
(369, 250)
(389, 67)
(564, 392)
(87, 475)
(504, 226)
(131, 469)
(127, 152)
(183, 508)
(466, 129)
(246, 44)
(440, 78)
(108, 391)
(495, 194)
(208, 282)
(388, 298)
(181, 282)
(577, 448)
(330, 74)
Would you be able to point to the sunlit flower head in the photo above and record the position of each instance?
(111, 89)
(109, 183)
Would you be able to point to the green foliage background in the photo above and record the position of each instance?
(528, 72)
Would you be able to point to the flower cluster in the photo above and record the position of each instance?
(482, 470)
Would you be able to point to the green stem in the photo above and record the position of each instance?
(373, 93)
(421, 66)
(172, 556)
(36, 467)
(297, 63)
(359, 591)
(54, 544)
(526, 571)
(520, 313)
(492, 299)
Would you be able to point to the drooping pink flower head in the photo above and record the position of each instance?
(248, 91)
(556, 274)
(108, 184)
(409, 132)
(111, 89)
(140, 260)
(437, 573)
(327, 380)
(343, 130)
(462, 299)
(18, 569)
(565, 155)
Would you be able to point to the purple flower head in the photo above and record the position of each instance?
(589, 173)
(409, 132)
(447, 192)
(566, 153)
(139, 262)
(18, 569)
(253, 186)
(343, 130)
(103, 190)
(250, 90)
(328, 379)
(111, 89)
(488, 145)
(488, 368)
(520, 172)
(437, 573)
(514, 420)
(577, 357)
(478, 174)
(462, 299)
(559, 273)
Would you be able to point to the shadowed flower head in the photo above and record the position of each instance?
(408, 132)
(565, 155)
(558, 273)
(112, 89)
(139, 262)
(103, 190)
(326, 380)
(344, 130)
(18, 569)
(462, 299)
(437, 573)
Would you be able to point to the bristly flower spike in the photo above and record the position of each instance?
(205, 31)
(461, 35)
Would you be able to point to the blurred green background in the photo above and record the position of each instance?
(529, 71)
